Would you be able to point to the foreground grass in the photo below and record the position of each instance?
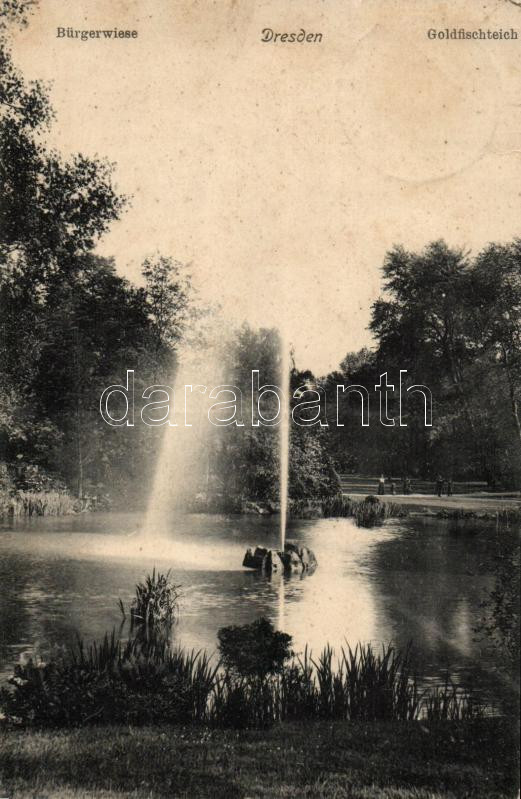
(339, 760)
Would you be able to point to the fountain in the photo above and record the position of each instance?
(290, 558)
(182, 472)
(182, 464)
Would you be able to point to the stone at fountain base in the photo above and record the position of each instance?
(295, 559)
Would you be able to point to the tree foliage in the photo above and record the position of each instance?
(246, 459)
(453, 321)
(69, 324)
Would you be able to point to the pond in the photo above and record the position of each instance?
(418, 579)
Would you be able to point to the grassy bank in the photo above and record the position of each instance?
(324, 760)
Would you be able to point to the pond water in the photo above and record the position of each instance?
(416, 579)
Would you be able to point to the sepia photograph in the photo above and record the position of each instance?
(260, 399)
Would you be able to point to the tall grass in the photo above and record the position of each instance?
(362, 686)
(503, 517)
(145, 681)
(136, 681)
(448, 703)
(38, 503)
(508, 516)
(156, 602)
(367, 512)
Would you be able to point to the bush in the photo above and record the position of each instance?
(254, 650)
(112, 682)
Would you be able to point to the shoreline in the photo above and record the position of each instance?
(422, 503)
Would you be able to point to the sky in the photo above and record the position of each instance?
(282, 173)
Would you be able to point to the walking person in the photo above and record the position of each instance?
(449, 487)
(439, 485)
(381, 486)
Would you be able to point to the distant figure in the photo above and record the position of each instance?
(439, 485)
(408, 485)
(393, 488)
(381, 485)
(449, 487)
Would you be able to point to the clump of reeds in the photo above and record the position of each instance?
(305, 508)
(361, 686)
(449, 702)
(508, 516)
(40, 503)
(145, 680)
(367, 512)
(140, 682)
(338, 506)
(156, 602)
(504, 517)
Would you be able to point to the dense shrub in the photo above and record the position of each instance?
(254, 650)
(135, 682)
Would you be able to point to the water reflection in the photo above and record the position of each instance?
(414, 580)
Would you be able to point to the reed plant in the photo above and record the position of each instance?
(134, 681)
(39, 503)
(367, 512)
(156, 602)
(141, 682)
(449, 703)
(145, 679)
(360, 686)
(506, 517)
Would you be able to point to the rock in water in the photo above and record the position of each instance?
(274, 562)
(255, 559)
(308, 558)
(292, 562)
(295, 559)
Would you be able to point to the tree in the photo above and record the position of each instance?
(494, 319)
(68, 324)
(15, 12)
(95, 328)
(168, 290)
(423, 321)
(247, 459)
(51, 209)
(453, 322)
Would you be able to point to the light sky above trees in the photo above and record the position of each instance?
(284, 173)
